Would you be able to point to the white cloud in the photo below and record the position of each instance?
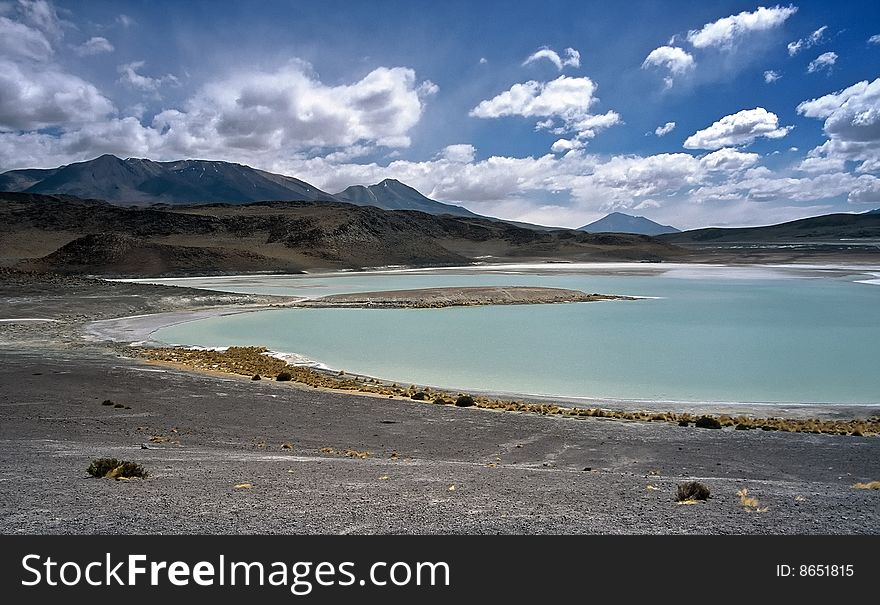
(94, 46)
(729, 160)
(483, 60)
(741, 128)
(19, 40)
(291, 109)
(572, 57)
(461, 153)
(125, 21)
(661, 131)
(36, 93)
(41, 15)
(821, 164)
(565, 98)
(44, 97)
(131, 78)
(672, 58)
(647, 204)
(823, 61)
(875, 39)
(810, 41)
(565, 145)
(852, 124)
(726, 32)
(771, 76)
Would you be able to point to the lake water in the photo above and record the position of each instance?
(706, 334)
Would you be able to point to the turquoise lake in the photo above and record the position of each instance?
(706, 334)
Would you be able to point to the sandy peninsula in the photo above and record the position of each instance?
(326, 460)
(424, 298)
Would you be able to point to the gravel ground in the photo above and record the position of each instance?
(512, 473)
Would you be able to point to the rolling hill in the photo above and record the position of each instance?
(70, 235)
(826, 228)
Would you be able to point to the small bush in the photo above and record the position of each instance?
(284, 376)
(420, 396)
(115, 469)
(464, 401)
(692, 490)
(107, 402)
(743, 427)
(683, 423)
(867, 485)
(118, 406)
(442, 401)
(707, 422)
(256, 377)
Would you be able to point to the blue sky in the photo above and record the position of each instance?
(689, 113)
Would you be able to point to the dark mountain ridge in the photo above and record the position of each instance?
(391, 194)
(618, 222)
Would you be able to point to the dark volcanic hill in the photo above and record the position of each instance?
(139, 181)
(70, 235)
(391, 194)
(618, 222)
(827, 228)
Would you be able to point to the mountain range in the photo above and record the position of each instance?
(391, 194)
(135, 181)
(617, 222)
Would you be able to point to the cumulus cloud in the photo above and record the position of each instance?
(824, 61)
(565, 98)
(22, 41)
(677, 61)
(875, 39)
(741, 128)
(729, 160)
(661, 131)
(852, 124)
(94, 46)
(34, 99)
(291, 109)
(726, 32)
(41, 15)
(131, 78)
(35, 92)
(771, 76)
(461, 153)
(565, 145)
(572, 57)
(810, 41)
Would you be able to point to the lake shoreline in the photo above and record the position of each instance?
(199, 434)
